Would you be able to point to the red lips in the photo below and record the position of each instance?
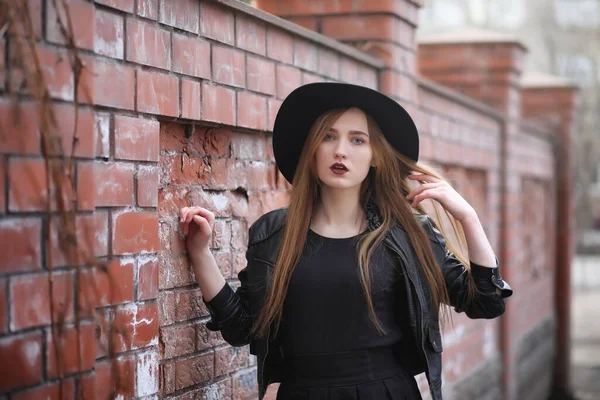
(338, 168)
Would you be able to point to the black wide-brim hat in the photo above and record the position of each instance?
(304, 105)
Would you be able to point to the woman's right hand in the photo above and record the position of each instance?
(197, 224)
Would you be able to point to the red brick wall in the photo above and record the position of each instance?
(176, 100)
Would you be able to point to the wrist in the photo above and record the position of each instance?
(470, 219)
(200, 254)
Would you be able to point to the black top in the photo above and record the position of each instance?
(326, 310)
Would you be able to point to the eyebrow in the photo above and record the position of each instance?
(352, 132)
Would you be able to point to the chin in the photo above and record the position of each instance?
(339, 183)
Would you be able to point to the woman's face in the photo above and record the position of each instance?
(345, 155)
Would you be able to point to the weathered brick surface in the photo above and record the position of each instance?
(176, 101)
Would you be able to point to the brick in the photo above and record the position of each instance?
(190, 99)
(109, 34)
(239, 238)
(244, 385)
(217, 22)
(86, 186)
(34, 8)
(113, 85)
(221, 237)
(64, 130)
(191, 56)
(359, 27)
(174, 271)
(228, 66)
(229, 359)
(147, 192)
(280, 46)
(248, 146)
(157, 93)
(3, 306)
(206, 339)
(49, 391)
(148, 279)
(194, 370)
(58, 78)
(178, 340)
(311, 78)
(102, 126)
(260, 75)
(81, 18)
(209, 141)
(135, 232)
(148, 9)
(135, 326)
(252, 111)
(305, 22)
(224, 261)
(272, 106)
(29, 300)
(123, 5)
(261, 175)
(182, 14)
(288, 79)
(221, 389)
(148, 45)
(239, 263)
(187, 304)
(25, 353)
(114, 184)
(66, 360)
(114, 378)
(20, 129)
(107, 285)
(146, 374)
(218, 104)
(136, 139)
(27, 185)
(89, 237)
(250, 35)
(305, 55)
(328, 63)
(184, 169)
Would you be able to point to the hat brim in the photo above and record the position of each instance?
(305, 104)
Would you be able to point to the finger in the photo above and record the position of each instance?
(420, 189)
(202, 223)
(424, 178)
(182, 213)
(433, 194)
(207, 214)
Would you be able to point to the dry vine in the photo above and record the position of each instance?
(17, 27)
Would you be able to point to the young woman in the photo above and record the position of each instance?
(343, 289)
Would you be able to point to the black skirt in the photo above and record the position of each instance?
(373, 374)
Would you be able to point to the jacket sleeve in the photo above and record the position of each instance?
(229, 310)
(487, 303)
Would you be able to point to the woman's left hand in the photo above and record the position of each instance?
(443, 193)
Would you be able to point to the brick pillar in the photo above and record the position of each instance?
(482, 64)
(487, 66)
(546, 96)
(385, 29)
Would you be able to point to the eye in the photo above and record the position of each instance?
(357, 140)
(328, 136)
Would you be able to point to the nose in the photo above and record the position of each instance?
(340, 151)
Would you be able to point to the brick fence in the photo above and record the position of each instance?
(175, 105)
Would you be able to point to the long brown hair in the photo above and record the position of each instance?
(387, 186)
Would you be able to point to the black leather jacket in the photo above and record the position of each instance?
(233, 313)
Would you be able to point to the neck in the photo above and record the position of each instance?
(339, 208)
